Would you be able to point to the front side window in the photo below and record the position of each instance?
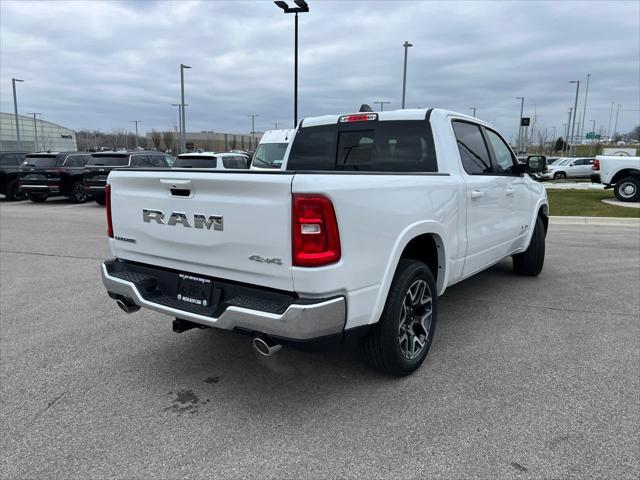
(473, 151)
(504, 158)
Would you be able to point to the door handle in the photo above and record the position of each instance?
(510, 191)
(476, 194)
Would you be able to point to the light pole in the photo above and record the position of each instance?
(253, 117)
(474, 110)
(136, 122)
(575, 111)
(35, 128)
(15, 109)
(566, 143)
(609, 128)
(593, 137)
(382, 105)
(615, 128)
(182, 124)
(275, 125)
(406, 46)
(520, 123)
(302, 7)
(584, 107)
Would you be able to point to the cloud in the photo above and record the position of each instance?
(102, 64)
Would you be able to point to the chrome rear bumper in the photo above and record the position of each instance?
(298, 322)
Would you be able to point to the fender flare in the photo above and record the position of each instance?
(542, 202)
(408, 234)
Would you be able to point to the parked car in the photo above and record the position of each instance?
(570, 168)
(9, 164)
(47, 174)
(620, 173)
(271, 149)
(212, 160)
(370, 221)
(102, 163)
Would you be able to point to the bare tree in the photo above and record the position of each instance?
(168, 139)
(155, 139)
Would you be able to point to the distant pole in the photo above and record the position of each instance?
(593, 138)
(609, 128)
(575, 111)
(615, 128)
(35, 129)
(381, 105)
(520, 123)
(136, 122)
(15, 109)
(474, 110)
(253, 117)
(566, 143)
(275, 125)
(182, 123)
(406, 46)
(584, 107)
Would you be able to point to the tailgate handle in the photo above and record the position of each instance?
(180, 192)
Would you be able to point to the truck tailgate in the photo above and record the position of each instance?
(235, 226)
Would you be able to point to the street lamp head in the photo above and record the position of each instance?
(302, 6)
(282, 5)
(574, 81)
(17, 80)
(407, 44)
(184, 66)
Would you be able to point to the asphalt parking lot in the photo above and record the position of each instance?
(526, 378)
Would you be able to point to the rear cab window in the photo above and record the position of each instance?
(365, 146)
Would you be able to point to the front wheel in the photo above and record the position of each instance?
(400, 341)
(13, 193)
(78, 193)
(627, 189)
(559, 176)
(531, 261)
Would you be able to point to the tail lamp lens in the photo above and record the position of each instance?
(316, 241)
(596, 165)
(107, 203)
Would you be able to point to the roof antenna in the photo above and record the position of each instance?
(365, 108)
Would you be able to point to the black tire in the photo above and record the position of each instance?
(78, 193)
(36, 198)
(559, 176)
(12, 192)
(531, 261)
(627, 189)
(383, 346)
(100, 200)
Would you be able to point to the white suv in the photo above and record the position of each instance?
(212, 161)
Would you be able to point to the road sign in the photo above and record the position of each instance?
(525, 122)
(592, 136)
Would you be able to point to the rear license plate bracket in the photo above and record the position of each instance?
(194, 290)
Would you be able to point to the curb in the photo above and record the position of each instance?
(625, 222)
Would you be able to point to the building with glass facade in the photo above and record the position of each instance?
(35, 135)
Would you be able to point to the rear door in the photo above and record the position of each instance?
(219, 224)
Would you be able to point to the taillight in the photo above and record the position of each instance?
(107, 203)
(596, 165)
(316, 241)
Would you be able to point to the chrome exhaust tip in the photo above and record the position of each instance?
(127, 306)
(265, 346)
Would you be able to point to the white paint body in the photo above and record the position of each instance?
(477, 220)
(610, 165)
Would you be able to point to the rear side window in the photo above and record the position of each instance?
(158, 161)
(109, 160)
(473, 150)
(229, 162)
(74, 161)
(388, 146)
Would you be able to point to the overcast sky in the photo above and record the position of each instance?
(101, 64)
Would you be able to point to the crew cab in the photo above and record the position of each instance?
(9, 164)
(370, 220)
(46, 174)
(620, 173)
(101, 163)
(212, 160)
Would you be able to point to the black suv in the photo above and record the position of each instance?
(48, 174)
(9, 163)
(101, 163)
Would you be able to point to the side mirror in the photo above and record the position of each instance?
(536, 164)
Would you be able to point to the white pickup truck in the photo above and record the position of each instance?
(620, 173)
(371, 218)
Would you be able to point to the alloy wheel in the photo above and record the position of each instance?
(415, 319)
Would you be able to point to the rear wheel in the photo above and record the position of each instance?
(36, 198)
(531, 261)
(627, 189)
(78, 193)
(400, 341)
(12, 192)
(559, 176)
(100, 200)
